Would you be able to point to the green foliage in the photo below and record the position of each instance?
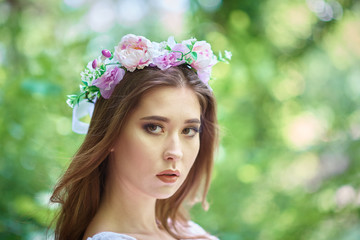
(288, 163)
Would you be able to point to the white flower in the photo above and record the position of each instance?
(189, 41)
(205, 56)
(158, 49)
(171, 41)
(228, 54)
(134, 52)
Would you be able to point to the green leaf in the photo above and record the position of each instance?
(194, 55)
(71, 97)
(189, 61)
(93, 88)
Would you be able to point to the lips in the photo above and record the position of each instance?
(168, 176)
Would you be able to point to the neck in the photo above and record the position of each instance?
(129, 210)
(125, 210)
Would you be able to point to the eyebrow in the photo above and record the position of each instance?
(164, 119)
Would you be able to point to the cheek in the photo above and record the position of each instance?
(192, 151)
(131, 151)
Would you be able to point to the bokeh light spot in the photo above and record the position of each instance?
(239, 20)
(210, 5)
(63, 125)
(345, 195)
(304, 130)
(248, 173)
(130, 12)
(101, 16)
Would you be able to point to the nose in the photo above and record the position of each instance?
(173, 151)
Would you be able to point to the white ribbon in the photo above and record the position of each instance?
(81, 110)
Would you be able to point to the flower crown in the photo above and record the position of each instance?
(136, 52)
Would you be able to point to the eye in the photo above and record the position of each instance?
(190, 132)
(153, 128)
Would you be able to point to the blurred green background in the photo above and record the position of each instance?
(289, 162)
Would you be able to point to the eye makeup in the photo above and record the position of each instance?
(153, 128)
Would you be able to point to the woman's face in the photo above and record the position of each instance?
(158, 144)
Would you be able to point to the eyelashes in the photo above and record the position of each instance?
(158, 129)
(191, 131)
(153, 128)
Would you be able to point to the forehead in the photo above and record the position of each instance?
(169, 101)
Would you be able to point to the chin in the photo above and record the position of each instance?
(165, 195)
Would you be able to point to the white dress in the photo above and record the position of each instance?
(193, 228)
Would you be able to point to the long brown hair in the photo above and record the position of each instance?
(80, 189)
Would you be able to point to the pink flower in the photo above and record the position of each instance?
(133, 52)
(180, 48)
(205, 56)
(204, 74)
(205, 60)
(106, 53)
(168, 60)
(94, 64)
(107, 82)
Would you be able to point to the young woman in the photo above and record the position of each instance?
(148, 153)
